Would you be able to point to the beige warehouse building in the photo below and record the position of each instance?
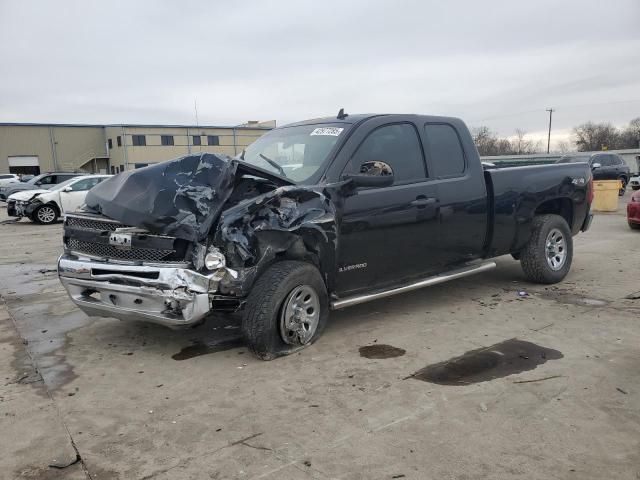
(32, 148)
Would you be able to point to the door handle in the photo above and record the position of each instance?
(422, 202)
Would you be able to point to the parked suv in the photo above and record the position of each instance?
(41, 182)
(604, 166)
(7, 178)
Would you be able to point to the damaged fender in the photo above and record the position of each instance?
(289, 222)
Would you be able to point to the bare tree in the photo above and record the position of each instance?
(630, 135)
(564, 146)
(596, 136)
(489, 144)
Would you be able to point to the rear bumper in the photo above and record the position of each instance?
(166, 295)
(587, 222)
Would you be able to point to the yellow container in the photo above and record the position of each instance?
(605, 195)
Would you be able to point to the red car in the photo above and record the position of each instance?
(633, 211)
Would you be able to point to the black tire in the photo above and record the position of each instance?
(45, 214)
(263, 310)
(634, 226)
(623, 189)
(633, 187)
(534, 259)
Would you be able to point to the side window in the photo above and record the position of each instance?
(48, 180)
(64, 178)
(85, 184)
(397, 145)
(445, 151)
(617, 161)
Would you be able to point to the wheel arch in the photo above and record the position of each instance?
(561, 206)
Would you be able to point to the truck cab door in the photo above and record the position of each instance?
(462, 193)
(387, 234)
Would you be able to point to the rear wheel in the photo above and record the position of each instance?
(45, 214)
(548, 255)
(286, 311)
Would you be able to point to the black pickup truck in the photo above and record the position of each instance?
(314, 216)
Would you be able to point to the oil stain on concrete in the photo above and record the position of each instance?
(381, 351)
(199, 349)
(488, 363)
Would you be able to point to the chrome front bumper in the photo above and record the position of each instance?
(168, 295)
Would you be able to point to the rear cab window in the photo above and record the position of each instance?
(444, 150)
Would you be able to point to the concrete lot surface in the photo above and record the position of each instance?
(89, 398)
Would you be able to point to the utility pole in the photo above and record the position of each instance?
(550, 110)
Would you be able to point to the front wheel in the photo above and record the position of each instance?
(45, 214)
(548, 255)
(634, 226)
(286, 311)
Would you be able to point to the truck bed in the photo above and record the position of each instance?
(515, 194)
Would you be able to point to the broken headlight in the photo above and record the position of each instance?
(214, 259)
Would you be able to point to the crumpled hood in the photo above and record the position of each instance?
(26, 194)
(181, 198)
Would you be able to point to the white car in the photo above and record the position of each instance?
(634, 182)
(45, 206)
(7, 178)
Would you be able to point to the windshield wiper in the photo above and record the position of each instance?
(274, 165)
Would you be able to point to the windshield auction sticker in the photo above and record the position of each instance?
(333, 131)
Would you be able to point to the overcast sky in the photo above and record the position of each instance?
(497, 63)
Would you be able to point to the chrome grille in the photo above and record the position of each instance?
(109, 251)
(87, 223)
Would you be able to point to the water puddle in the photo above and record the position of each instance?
(381, 351)
(204, 349)
(488, 363)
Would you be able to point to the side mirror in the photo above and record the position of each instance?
(360, 180)
(38, 184)
(595, 165)
(67, 189)
(372, 174)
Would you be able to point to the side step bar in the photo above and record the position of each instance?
(441, 278)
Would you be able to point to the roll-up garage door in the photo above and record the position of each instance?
(27, 164)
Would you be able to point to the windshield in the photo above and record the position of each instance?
(294, 152)
(60, 186)
(574, 159)
(33, 180)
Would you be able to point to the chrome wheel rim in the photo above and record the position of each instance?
(556, 249)
(46, 214)
(300, 316)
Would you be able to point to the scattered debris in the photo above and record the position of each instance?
(622, 391)
(633, 296)
(538, 379)
(307, 463)
(522, 293)
(541, 328)
(203, 349)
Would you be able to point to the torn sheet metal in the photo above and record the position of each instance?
(181, 198)
(299, 222)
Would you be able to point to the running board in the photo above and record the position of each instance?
(441, 278)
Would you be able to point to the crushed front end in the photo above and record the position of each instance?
(112, 270)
